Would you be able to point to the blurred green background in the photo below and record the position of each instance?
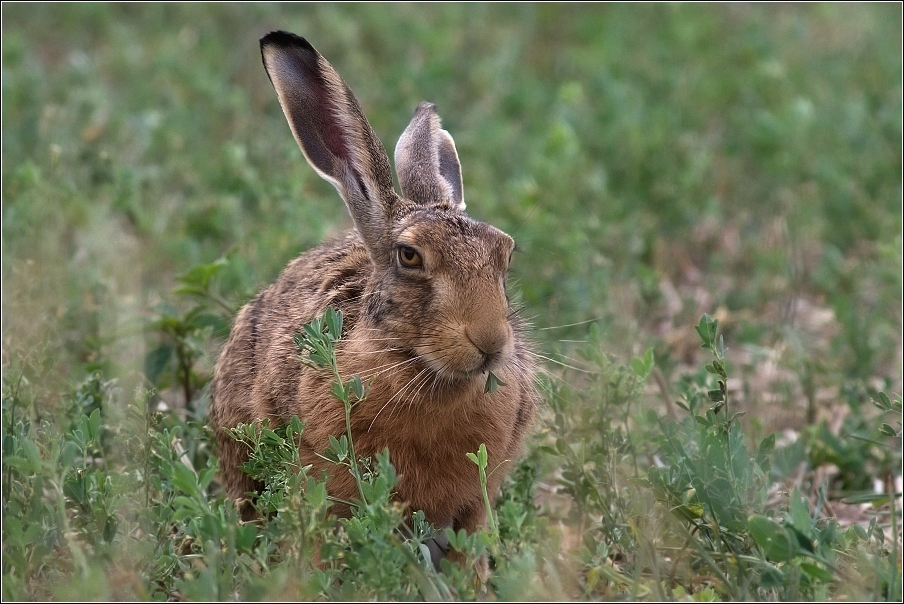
(654, 162)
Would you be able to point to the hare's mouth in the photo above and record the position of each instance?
(490, 362)
(461, 365)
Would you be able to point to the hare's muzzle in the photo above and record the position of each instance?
(494, 342)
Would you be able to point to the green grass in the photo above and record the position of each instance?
(654, 163)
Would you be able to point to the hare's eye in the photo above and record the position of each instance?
(409, 257)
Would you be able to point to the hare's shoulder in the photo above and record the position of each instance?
(334, 273)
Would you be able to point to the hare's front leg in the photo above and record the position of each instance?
(473, 518)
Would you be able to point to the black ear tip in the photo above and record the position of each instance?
(425, 107)
(285, 39)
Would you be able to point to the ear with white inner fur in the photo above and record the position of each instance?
(333, 134)
(427, 163)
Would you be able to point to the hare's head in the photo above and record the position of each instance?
(437, 289)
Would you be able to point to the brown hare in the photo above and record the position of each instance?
(422, 289)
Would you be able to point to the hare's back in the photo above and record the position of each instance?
(258, 370)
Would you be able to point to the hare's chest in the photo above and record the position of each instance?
(434, 471)
(438, 478)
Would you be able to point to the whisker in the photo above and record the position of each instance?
(366, 352)
(569, 324)
(421, 375)
(557, 362)
(389, 366)
(565, 356)
(397, 394)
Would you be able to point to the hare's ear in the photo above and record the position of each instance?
(427, 163)
(333, 134)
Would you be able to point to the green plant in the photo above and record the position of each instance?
(718, 490)
(186, 335)
(594, 442)
(318, 342)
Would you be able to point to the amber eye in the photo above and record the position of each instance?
(409, 257)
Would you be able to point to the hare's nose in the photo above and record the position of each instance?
(489, 339)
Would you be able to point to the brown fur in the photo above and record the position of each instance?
(424, 337)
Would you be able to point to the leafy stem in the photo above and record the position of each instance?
(480, 459)
(707, 329)
(319, 343)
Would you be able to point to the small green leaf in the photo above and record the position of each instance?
(876, 499)
(720, 369)
(333, 320)
(771, 576)
(857, 531)
(493, 383)
(207, 476)
(339, 446)
(827, 537)
(252, 430)
(185, 507)
(692, 510)
(766, 446)
(817, 572)
(67, 455)
(199, 276)
(94, 424)
(482, 455)
(643, 367)
(637, 366)
(340, 391)
(185, 480)
(316, 495)
(886, 430)
(245, 537)
(715, 396)
(312, 330)
(74, 488)
(12, 527)
(707, 329)
(772, 538)
(872, 526)
(800, 511)
(737, 416)
(357, 387)
(156, 361)
(271, 437)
